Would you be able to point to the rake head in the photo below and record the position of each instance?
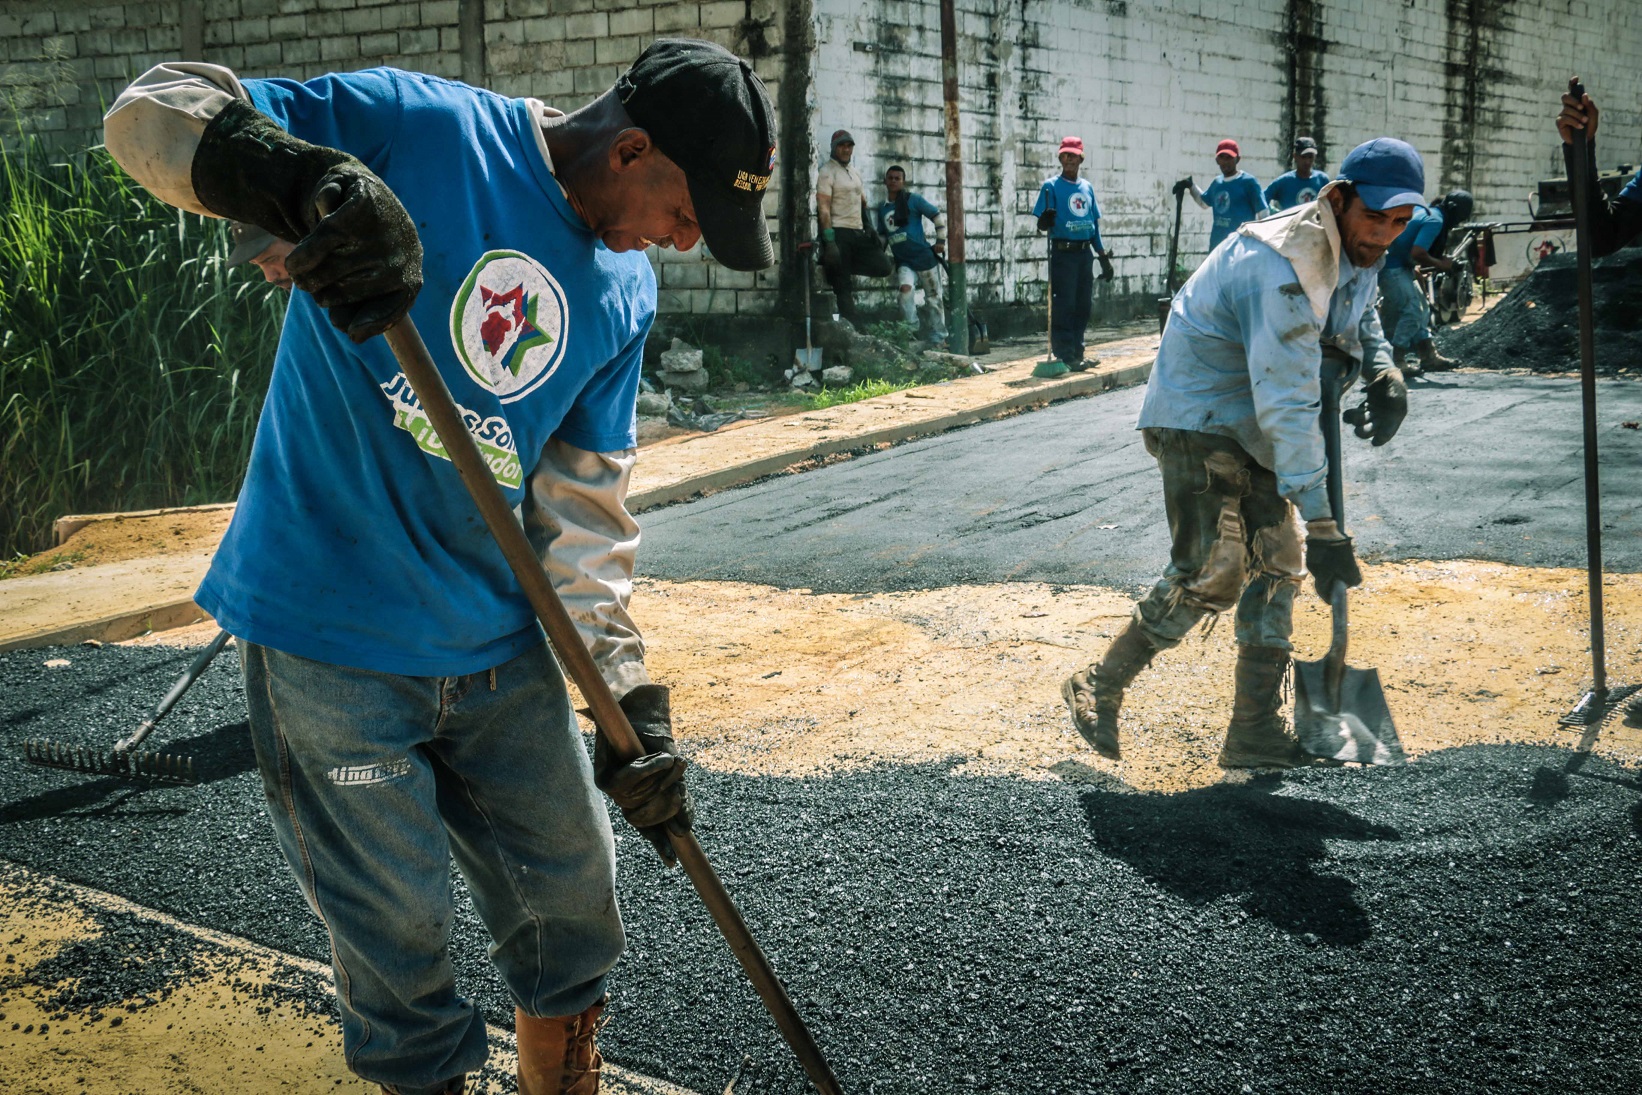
(1596, 711)
(135, 764)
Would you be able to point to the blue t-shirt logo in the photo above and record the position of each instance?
(1079, 205)
(1222, 202)
(508, 324)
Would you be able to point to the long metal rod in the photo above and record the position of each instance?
(169, 700)
(1587, 392)
(958, 287)
(611, 721)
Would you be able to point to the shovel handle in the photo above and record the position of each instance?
(608, 717)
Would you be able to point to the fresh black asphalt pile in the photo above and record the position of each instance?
(1469, 923)
(1536, 326)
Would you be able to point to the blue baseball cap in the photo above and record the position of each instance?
(1386, 172)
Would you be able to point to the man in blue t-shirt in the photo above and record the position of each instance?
(404, 706)
(1067, 210)
(901, 221)
(1301, 185)
(1235, 196)
(1405, 312)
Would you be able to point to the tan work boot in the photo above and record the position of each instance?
(1094, 695)
(559, 1056)
(1430, 360)
(1258, 736)
(1401, 360)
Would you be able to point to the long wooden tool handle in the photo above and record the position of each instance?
(609, 718)
(1581, 187)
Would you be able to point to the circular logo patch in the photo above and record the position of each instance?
(1079, 204)
(509, 323)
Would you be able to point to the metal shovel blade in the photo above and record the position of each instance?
(808, 358)
(1357, 728)
(1340, 712)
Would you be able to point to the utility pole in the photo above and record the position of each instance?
(958, 339)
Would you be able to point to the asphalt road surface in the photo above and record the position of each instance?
(1487, 466)
(1468, 923)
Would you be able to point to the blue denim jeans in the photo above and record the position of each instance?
(1404, 311)
(374, 782)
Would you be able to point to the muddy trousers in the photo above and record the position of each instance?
(1234, 542)
(374, 783)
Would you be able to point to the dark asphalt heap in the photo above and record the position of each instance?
(1536, 326)
(1466, 924)
(1485, 467)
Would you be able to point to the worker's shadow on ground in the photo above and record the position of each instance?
(1553, 783)
(218, 755)
(1242, 841)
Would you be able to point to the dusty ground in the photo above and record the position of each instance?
(788, 683)
(178, 532)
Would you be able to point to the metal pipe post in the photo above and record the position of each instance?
(957, 289)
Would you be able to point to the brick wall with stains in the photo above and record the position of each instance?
(1150, 85)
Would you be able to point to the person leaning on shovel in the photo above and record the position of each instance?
(1617, 221)
(403, 702)
(1231, 414)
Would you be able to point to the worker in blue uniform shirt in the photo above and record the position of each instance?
(1235, 196)
(901, 222)
(1404, 309)
(1231, 416)
(1067, 210)
(1301, 185)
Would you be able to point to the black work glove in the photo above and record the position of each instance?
(1046, 223)
(1384, 406)
(1106, 271)
(357, 250)
(650, 790)
(829, 254)
(1330, 557)
(1181, 186)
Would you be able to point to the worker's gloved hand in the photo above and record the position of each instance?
(1181, 186)
(1384, 406)
(829, 247)
(1106, 271)
(1330, 557)
(357, 250)
(650, 790)
(1046, 223)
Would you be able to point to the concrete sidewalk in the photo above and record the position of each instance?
(119, 600)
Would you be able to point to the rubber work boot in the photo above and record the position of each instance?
(559, 1056)
(1094, 695)
(1258, 736)
(1430, 360)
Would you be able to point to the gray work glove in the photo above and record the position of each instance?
(357, 250)
(1330, 557)
(1384, 406)
(650, 790)
(1106, 271)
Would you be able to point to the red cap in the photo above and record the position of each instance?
(1228, 145)
(1074, 145)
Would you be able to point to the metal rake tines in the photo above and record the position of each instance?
(138, 764)
(1592, 710)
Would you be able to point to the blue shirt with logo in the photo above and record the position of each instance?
(1289, 190)
(1422, 231)
(907, 242)
(354, 541)
(1234, 202)
(1632, 191)
(1077, 214)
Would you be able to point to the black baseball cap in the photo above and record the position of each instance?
(709, 113)
(1304, 144)
(249, 242)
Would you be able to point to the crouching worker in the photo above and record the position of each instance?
(404, 705)
(1232, 416)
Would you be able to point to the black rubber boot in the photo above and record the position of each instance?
(1094, 695)
(1258, 736)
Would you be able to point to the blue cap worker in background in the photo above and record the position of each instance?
(1067, 210)
(1404, 309)
(901, 222)
(1238, 458)
(1301, 185)
(1235, 196)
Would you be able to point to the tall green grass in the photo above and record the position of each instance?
(133, 360)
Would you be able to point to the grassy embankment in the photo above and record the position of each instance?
(133, 360)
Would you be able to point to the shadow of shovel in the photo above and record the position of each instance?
(1340, 712)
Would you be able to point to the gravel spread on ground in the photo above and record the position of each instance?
(1468, 923)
